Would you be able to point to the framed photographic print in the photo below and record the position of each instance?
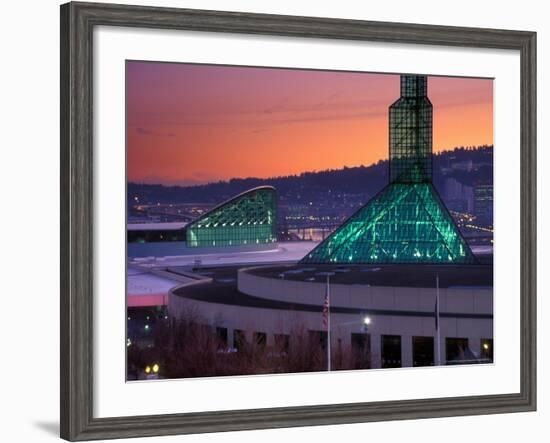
(273, 221)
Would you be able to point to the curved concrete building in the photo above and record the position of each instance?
(270, 302)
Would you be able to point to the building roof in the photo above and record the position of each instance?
(146, 289)
(170, 226)
(223, 290)
(230, 201)
(395, 275)
(289, 252)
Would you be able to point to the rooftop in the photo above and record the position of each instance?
(406, 275)
(169, 226)
(146, 289)
(283, 252)
(223, 290)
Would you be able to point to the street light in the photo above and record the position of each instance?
(366, 323)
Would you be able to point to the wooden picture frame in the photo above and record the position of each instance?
(77, 23)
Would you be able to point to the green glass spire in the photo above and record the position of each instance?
(406, 222)
(411, 132)
(247, 219)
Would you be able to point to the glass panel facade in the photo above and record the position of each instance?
(155, 236)
(248, 219)
(411, 133)
(404, 223)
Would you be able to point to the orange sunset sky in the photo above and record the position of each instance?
(193, 124)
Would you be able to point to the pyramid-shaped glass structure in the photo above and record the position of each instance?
(404, 223)
(407, 221)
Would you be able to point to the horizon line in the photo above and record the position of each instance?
(227, 180)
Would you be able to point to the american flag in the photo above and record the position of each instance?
(326, 311)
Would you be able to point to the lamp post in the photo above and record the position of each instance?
(326, 311)
(437, 326)
(366, 323)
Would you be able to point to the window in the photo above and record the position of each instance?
(457, 351)
(239, 339)
(221, 334)
(282, 342)
(423, 351)
(318, 338)
(360, 348)
(260, 339)
(391, 351)
(486, 350)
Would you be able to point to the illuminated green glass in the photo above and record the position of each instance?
(404, 223)
(411, 132)
(247, 219)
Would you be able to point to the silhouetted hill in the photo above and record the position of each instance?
(362, 182)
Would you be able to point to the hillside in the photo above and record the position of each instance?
(362, 181)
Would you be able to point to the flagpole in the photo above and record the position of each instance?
(438, 333)
(328, 323)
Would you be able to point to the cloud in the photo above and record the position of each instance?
(335, 106)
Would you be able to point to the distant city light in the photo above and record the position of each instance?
(147, 369)
(155, 368)
(366, 321)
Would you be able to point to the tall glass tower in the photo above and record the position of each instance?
(411, 133)
(407, 221)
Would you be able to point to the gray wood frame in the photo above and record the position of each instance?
(77, 24)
